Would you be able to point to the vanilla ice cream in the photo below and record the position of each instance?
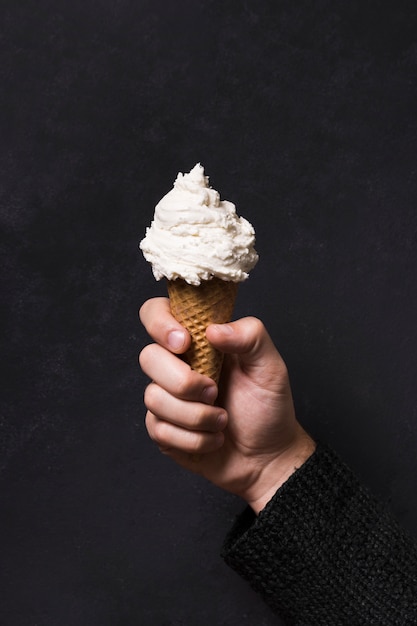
(196, 236)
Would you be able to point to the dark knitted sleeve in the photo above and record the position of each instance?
(323, 552)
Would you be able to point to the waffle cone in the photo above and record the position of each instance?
(195, 307)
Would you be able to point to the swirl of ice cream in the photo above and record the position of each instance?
(195, 236)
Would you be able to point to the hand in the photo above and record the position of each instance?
(248, 441)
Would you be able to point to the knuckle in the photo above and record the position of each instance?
(149, 423)
(142, 310)
(160, 433)
(152, 313)
(183, 383)
(256, 326)
(194, 443)
(198, 419)
(145, 355)
(152, 328)
(150, 396)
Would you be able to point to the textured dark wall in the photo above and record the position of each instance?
(304, 115)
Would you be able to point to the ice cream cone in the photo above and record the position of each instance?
(197, 306)
(195, 235)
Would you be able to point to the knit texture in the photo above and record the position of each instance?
(324, 552)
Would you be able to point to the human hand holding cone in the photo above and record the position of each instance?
(197, 306)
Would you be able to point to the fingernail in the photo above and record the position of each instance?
(225, 329)
(176, 339)
(209, 394)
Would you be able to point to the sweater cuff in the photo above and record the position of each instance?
(323, 546)
(293, 486)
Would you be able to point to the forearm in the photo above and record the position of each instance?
(324, 552)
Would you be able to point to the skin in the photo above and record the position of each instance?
(243, 436)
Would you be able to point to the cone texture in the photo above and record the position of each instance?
(195, 307)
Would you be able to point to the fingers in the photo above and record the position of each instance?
(247, 337)
(169, 437)
(249, 340)
(191, 427)
(195, 416)
(155, 315)
(181, 413)
(175, 376)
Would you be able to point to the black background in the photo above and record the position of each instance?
(304, 115)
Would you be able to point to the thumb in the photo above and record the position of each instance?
(249, 339)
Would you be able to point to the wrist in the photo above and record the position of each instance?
(277, 470)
